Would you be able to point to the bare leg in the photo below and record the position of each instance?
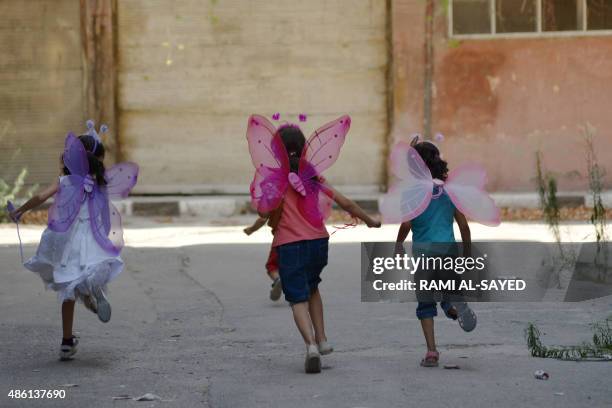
(303, 322)
(315, 307)
(67, 318)
(428, 332)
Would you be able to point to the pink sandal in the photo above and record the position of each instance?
(431, 359)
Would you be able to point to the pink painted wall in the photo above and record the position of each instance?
(499, 101)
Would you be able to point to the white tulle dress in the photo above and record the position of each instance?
(72, 262)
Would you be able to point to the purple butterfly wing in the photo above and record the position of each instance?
(75, 156)
(271, 164)
(105, 221)
(66, 203)
(120, 179)
(115, 234)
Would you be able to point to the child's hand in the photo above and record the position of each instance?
(399, 249)
(15, 215)
(248, 230)
(371, 223)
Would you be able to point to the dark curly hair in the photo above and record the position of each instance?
(431, 156)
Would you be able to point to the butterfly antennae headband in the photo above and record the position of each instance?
(302, 117)
(417, 138)
(91, 131)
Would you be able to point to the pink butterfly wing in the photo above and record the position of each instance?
(323, 147)
(120, 179)
(265, 146)
(268, 188)
(315, 206)
(410, 196)
(105, 221)
(465, 187)
(66, 203)
(271, 164)
(320, 152)
(75, 156)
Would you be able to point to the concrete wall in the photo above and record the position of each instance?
(498, 101)
(191, 72)
(40, 85)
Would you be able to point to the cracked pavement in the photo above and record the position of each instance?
(192, 323)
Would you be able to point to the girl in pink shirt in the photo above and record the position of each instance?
(302, 251)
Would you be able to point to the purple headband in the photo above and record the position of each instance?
(91, 131)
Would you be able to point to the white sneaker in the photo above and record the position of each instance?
(325, 348)
(312, 365)
(102, 306)
(68, 350)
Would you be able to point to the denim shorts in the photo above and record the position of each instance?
(300, 265)
(428, 310)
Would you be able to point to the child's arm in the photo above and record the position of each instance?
(36, 201)
(274, 218)
(403, 231)
(259, 222)
(402, 234)
(352, 208)
(466, 235)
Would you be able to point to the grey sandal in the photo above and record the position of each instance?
(465, 316)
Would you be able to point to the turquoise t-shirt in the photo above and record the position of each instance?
(435, 224)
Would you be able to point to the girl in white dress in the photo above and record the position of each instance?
(75, 257)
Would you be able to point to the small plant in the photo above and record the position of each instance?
(9, 192)
(598, 213)
(601, 348)
(549, 204)
(547, 189)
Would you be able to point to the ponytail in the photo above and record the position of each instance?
(96, 169)
(294, 142)
(431, 156)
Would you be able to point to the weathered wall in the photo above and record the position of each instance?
(191, 72)
(407, 72)
(499, 101)
(40, 85)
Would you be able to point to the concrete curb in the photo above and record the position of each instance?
(228, 205)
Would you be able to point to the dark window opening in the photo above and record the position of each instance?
(515, 16)
(560, 15)
(471, 17)
(599, 14)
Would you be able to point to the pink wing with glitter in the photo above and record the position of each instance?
(271, 164)
(320, 152)
(466, 188)
(71, 193)
(411, 194)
